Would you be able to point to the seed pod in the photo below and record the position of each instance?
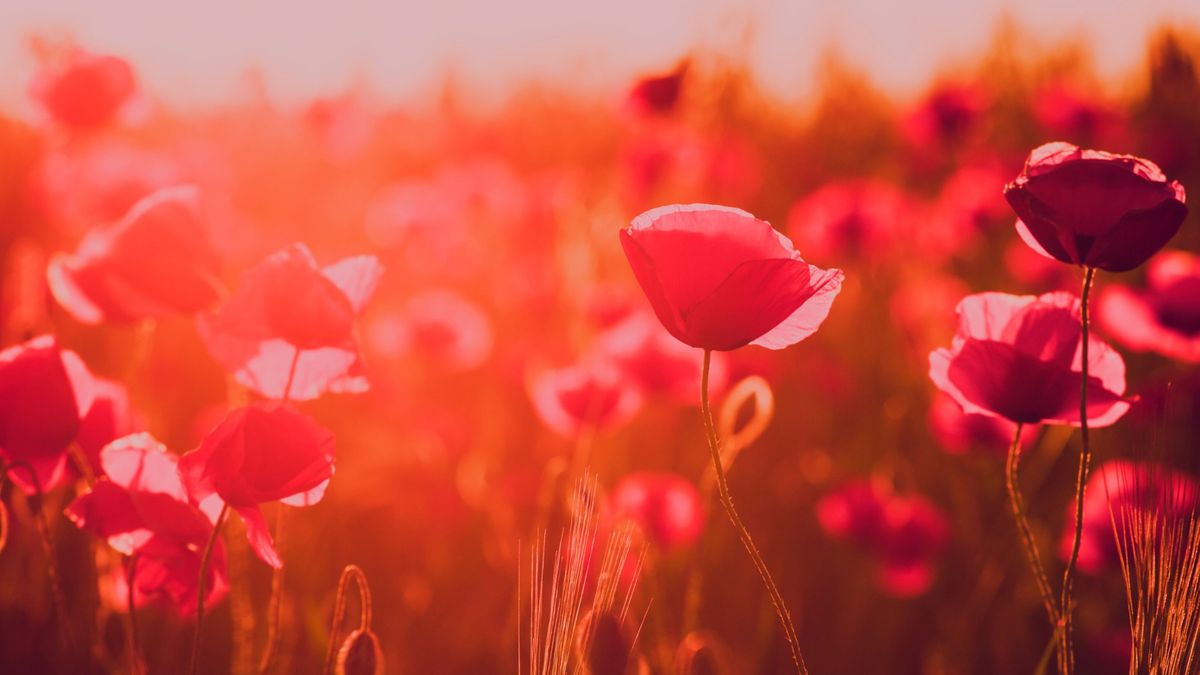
(601, 645)
(360, 654)
(701, 653)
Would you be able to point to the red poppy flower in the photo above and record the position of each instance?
(590, 396)
(261, 453)
(718, 278)
(1114, 492)
(44, 392)
(664, 506)
(659, 363)
(1093, 208)
(156, 261)
(287, 305)
(1165, 317)
(1018, 357)
(864, 218)
(142, 509)
(86, 90)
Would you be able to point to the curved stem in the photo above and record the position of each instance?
(1017, 504)
(1066, 654)
(204, 560)
(785, 619)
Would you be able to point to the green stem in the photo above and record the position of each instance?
(1017, 504)
(204, 560)
(785, 619)
(1066, 652)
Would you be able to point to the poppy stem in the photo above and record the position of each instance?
(276, 600)
(204, 560)
(785, 619)
(1066, 654)
(287, 388)
(135, 660)
(43, 529)
(264, 665)
(1017, 504)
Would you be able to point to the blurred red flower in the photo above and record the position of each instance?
(109, 417)
(1165, 317)
(946, 114)
(439, 327)
(156, 261)
(288, 312)
(264, 452)
(85, 90)
(905, 535)
(1094, 208)
(862, 218)
(44, 393)
(664, 506)
(1018, 357)
(659, 94)
(659, 363)
(1065, 110)
(959, 432)
(1117, 491)
(591, 396)
(718, 278)
(142, 509)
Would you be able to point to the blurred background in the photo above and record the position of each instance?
(488, 154)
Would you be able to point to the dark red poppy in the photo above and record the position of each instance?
(264, 452)
(156, 261)
(664, 506)
(140, 507)
(1165, 316)
(85, 90)
(718, 278)
(286, 306)
(1018, 357)
(1093, 208)
(591, 396)
(44, 392)
(1116, 492)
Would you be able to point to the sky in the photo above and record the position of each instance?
(198, 51)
